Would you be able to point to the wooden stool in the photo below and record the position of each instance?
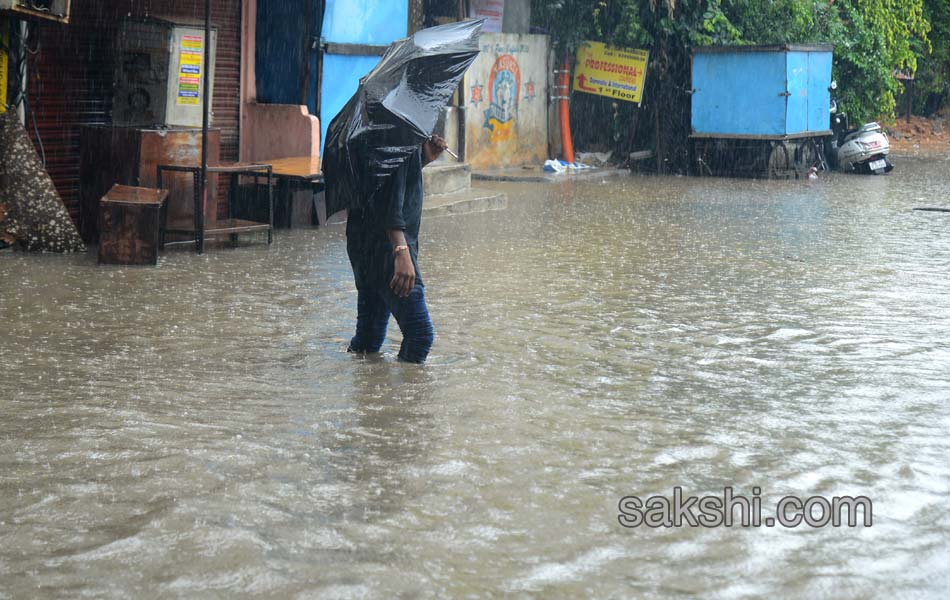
(129, 219)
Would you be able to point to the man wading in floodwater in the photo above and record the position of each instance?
(382, 241)
(373, 156)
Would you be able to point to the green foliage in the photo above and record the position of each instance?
(879, 40)
(872, 38)
(933, 68)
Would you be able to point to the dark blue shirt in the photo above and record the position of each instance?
(397, 205)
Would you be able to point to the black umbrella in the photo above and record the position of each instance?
(394, 110)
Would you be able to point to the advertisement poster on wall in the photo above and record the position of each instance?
(617, 73)
(493, 11)
(189, 70)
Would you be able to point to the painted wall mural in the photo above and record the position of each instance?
(506, 110)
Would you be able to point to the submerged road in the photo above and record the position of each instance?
(196, 429)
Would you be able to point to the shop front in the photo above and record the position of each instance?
(77, 76)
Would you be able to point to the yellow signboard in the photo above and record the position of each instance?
(613, 72)
(4, 62)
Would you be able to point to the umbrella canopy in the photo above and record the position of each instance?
(394, 111)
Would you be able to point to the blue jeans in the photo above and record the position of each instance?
(373, 308)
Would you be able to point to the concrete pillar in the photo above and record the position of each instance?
(517, 17)
(416, 15)
(248, 71)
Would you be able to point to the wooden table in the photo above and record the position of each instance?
(129, 225)
(304, 168)
(298, 179)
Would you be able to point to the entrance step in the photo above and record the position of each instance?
(473, 200)
(446, 178)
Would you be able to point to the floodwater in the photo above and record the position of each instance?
(196, 430)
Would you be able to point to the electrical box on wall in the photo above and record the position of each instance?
(159, 71)
(56, 10)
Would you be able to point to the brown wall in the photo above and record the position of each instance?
(279, 131)
(71, 78)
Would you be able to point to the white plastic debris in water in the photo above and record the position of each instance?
(559, 166)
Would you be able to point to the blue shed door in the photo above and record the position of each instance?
(796, 104)
(819, 96)
(809, 75)
(355, 34)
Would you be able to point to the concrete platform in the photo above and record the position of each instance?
(538, 175)
(446, 178)
(471, 201)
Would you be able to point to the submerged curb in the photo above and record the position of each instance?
(472, 201)
(536, 175)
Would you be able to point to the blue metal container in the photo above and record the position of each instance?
(761, 92)
(356, 32)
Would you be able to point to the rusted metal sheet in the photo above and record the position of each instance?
(181, 148)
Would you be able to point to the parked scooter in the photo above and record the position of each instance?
(862, 150)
